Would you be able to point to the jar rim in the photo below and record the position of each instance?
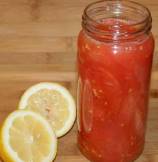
(124, 1)
(145, 22)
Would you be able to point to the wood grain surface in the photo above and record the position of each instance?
(38, 43)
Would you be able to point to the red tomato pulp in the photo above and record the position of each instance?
(113, 96)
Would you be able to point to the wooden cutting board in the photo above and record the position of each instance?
(38, 43)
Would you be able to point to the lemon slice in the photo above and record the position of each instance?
(54, 102)
(27, 137)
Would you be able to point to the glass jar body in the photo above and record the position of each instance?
(113, 88)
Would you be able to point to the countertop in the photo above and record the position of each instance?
(38, 43)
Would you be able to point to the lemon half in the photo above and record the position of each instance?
(27, 137)
(52, 101)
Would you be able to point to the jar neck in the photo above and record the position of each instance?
(113, 20)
